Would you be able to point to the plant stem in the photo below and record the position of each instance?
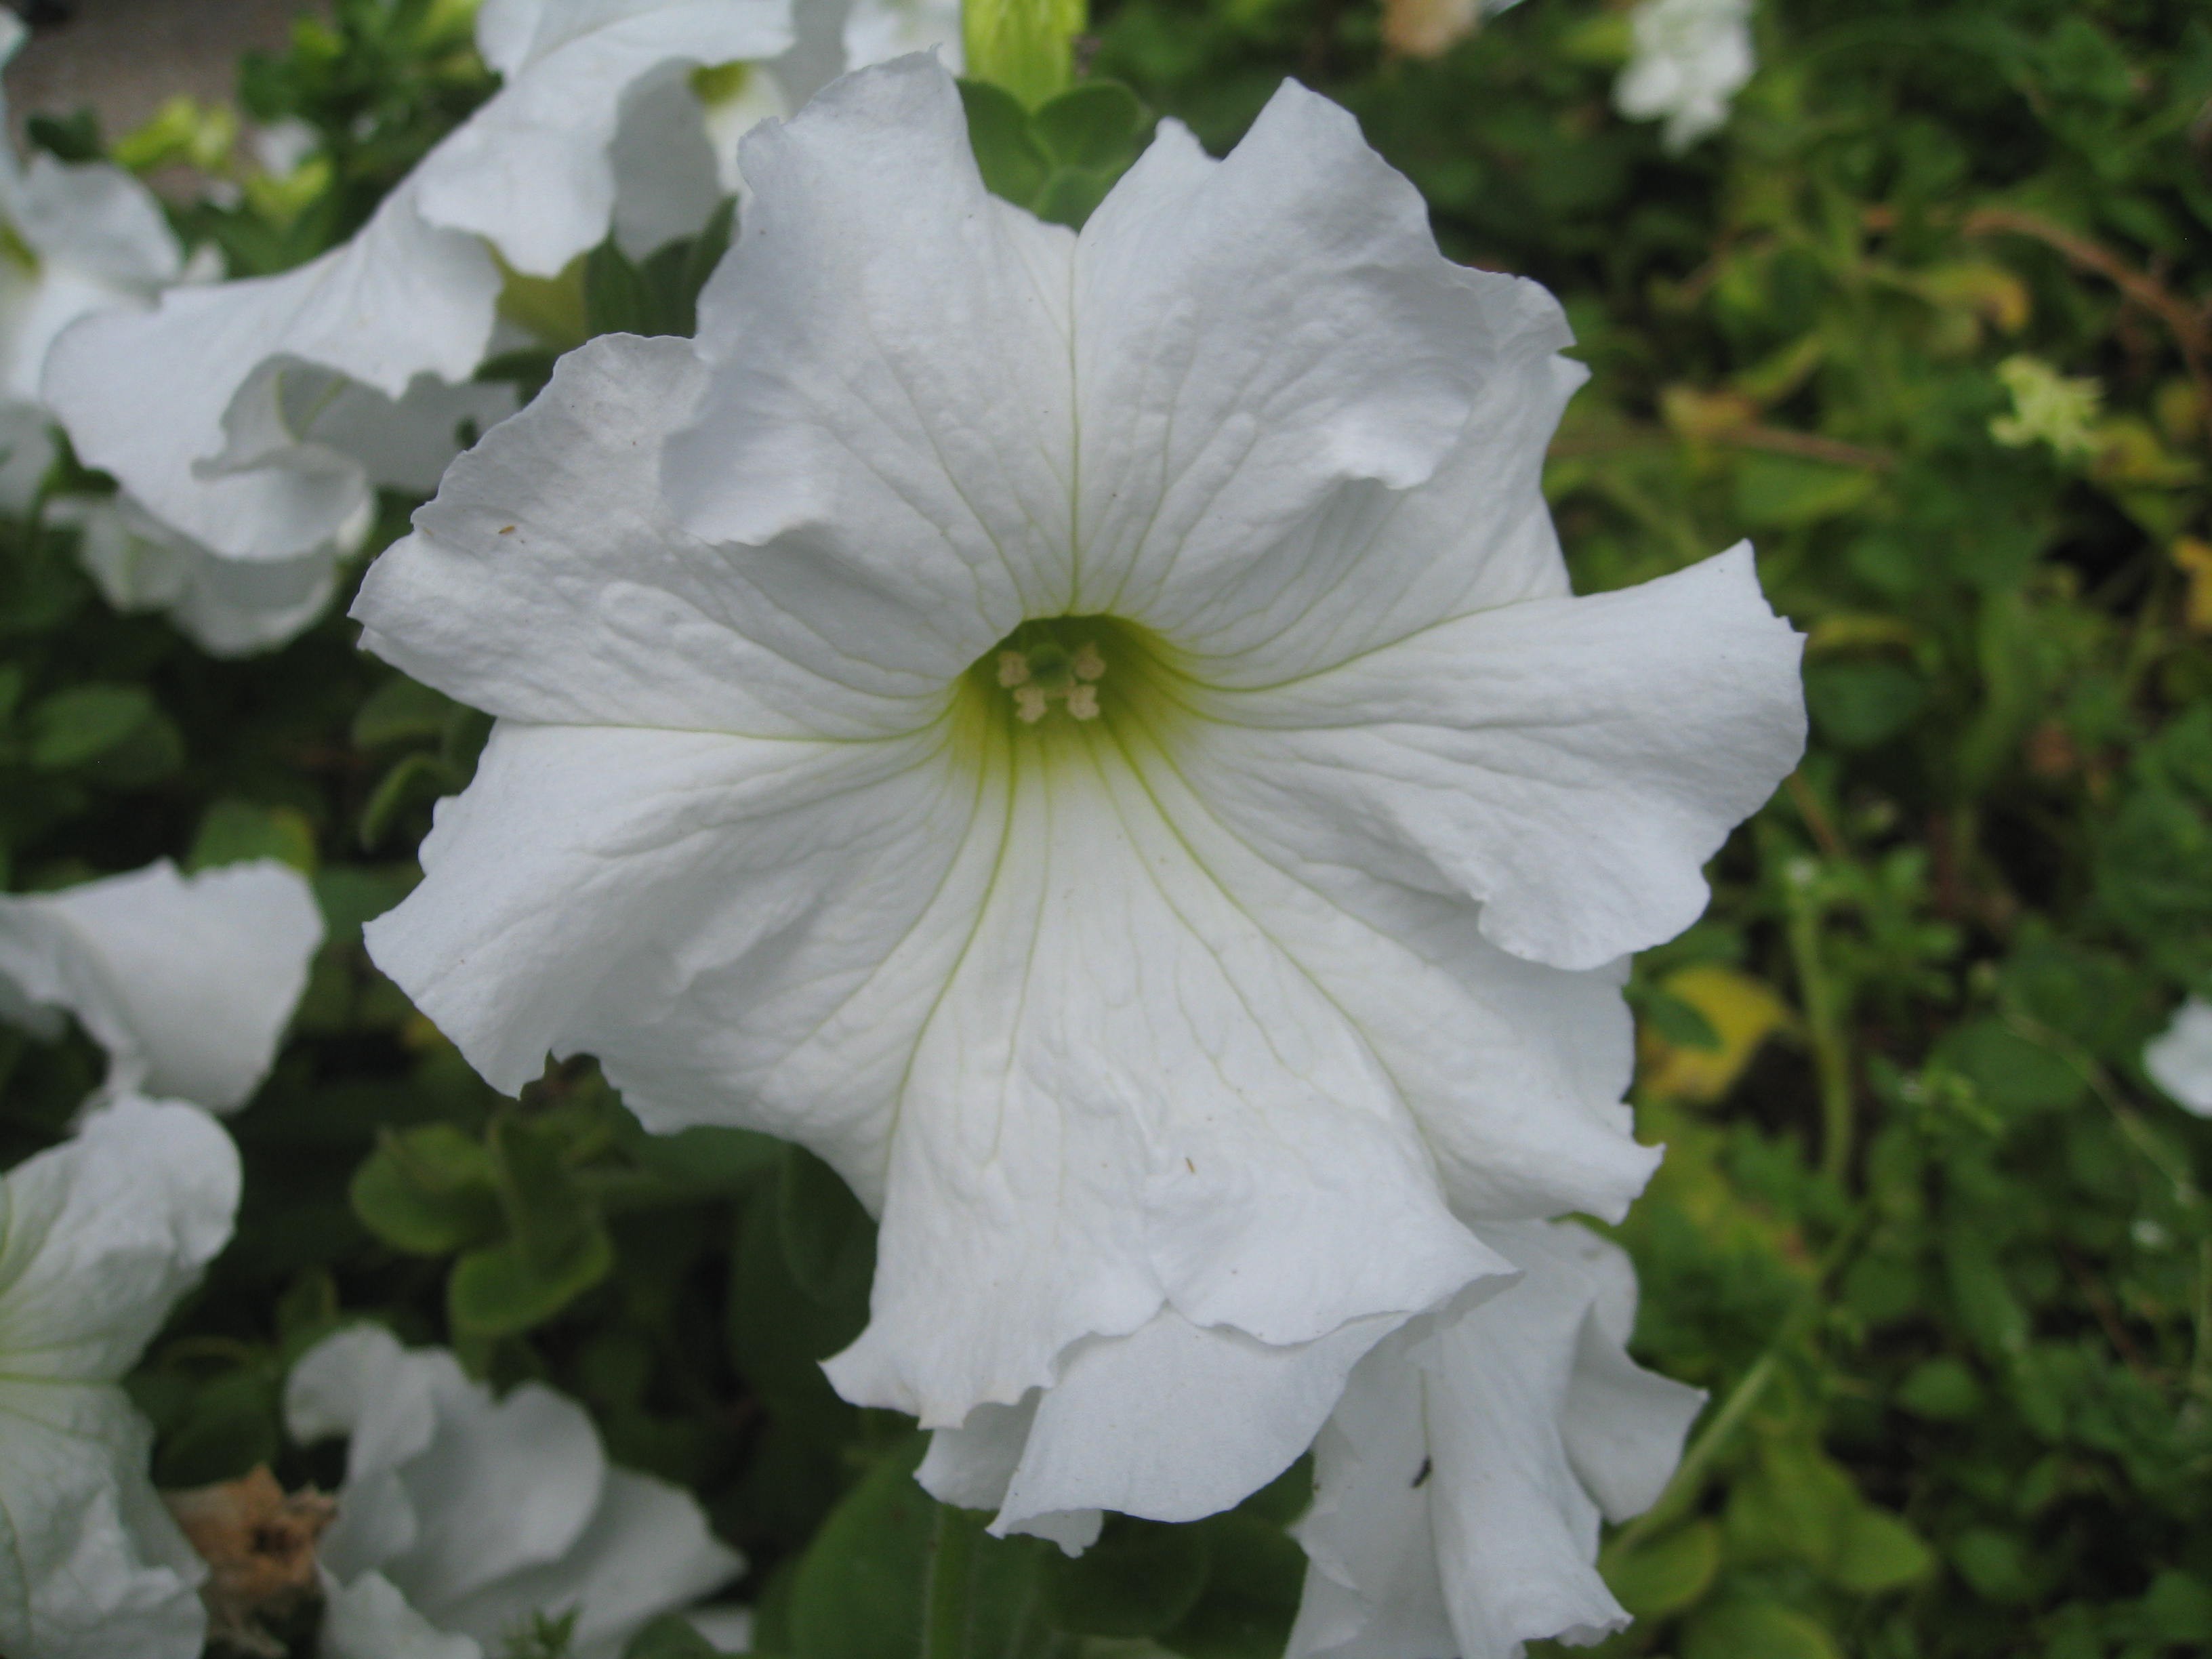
(944, 1611)
(1690, 1474)
(1831, 1058)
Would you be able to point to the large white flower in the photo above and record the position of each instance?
(1458, 1488)
(231, 412)
(463, 1518)
(1691, 58)
(2180, 1058)
(99, 1237)
(74, 240)
(186, 980)
(1090, 734)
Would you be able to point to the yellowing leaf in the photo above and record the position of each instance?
(2194, 558)
(1744, 1014)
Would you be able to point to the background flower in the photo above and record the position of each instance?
(98, 1237)
(1692, 57)
(464, 1517)
(186, 980)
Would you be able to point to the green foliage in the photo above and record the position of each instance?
(1939, 1251)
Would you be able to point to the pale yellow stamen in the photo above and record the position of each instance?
(1029, 704)
(1013, 668)
(1083, 702)
(1087, 665)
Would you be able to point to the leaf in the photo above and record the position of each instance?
(1138, 1579)
(671, 1636)
(1095, 126)
(1669, 1573)
(1879, 1552)
(1251, 1594)
(1013, 165)
(1755, 1630)
(1942, 1389)
(416, 777)
(829, 1240)
(400, 711)
(1995, 1563)
(1736, 1014)
(1863, 704)
(2007, 1070)
(85, 722)
(505, 1290)
(430, 1191)
(236, 831)
(616, 299)
(1784, 492)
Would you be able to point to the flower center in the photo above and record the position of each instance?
(1054, 665)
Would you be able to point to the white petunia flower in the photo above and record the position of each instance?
(1092, 736)
(186, 980)
(877, 31)
(226, 410)
(1458, 1488)
(98, 1237)
(75, 239)
(1691, 58)
(464, 1517)
(2180, 1058)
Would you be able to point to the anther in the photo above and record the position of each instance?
(1013, 668)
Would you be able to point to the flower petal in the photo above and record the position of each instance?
(104, 1233)
(1251, 336)
(186, 981)
(151, 396)
(1570, 763)
(1135, 1424)
(647, 1550)
(100, 242)
(888, 395)
(369, 1619)
(2180, 1058)
(546, 584)
(91, 1565)
(531, 171)
(1452, 1444)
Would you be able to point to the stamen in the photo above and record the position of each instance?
(1029, 704)
(1088, 664)
(1083, 702)
(1013, 668)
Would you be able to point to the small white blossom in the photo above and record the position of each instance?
(1691, 58)
(75, 239)
(2179, 1060)
(1092, 735)
(463, 1518)
(224, 411)
(186, 980)
(98, 1237)
(1459, 1486)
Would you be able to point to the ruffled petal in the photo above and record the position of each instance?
(101, 242)
(531, 172)
(367, 1618)
(161, 397)
(104, 1232)
(2180, 1058)
(186, 980)
(647, 1550)
(1135, 1424)
(1569, 763)
(547, 584)
(1250, 337)
(1452, 1482)
(888, 398)
(877, 31)
(91, 1565)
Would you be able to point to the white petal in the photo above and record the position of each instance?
(27, 452)
(1251, 336)
(160, 398)
(186, 981)
(91, 1565)
(1570, 763)
(368, 1618)
(531, 171)
(2179, 1060)
(546, 584)
(647, 1550)
(104, 1233)
(877, 31)
(889, 398)
(1142, 1425)
(667, 179)
(228, 607)
(1458, 1441)
(101, 242)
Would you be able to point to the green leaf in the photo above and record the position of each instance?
(2009, 1071)
(1879, 1552)
(1782, 492)
(1942, 1389)
(829, 1240)
(400, 711)
(1755, 1630)
(430, 1191)
(1251, 1594)
(1095, 126)
(505, 1290)
(1996, 1564)
(1013, 165)
(1138, 1579)
(237, 831)
(1669, 1572)
(616, 297)
(1679, 1021)
(671, 1636)
(86, 722)
(417, 777)
(1860, 705)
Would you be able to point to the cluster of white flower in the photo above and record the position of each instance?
(1090, 733)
